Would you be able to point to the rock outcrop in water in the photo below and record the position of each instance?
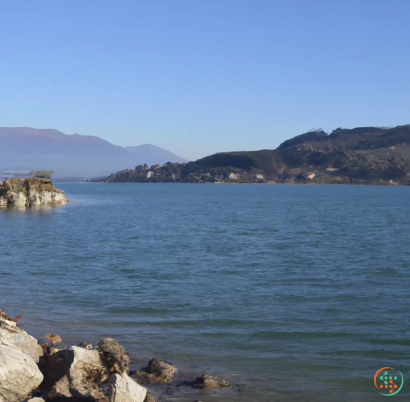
(82, 373)
(364, 155)
(33, 191)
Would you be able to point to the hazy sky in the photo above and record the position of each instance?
(202, 76)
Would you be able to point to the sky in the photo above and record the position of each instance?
(198, 77)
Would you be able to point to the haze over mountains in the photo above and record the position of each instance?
(24, 148)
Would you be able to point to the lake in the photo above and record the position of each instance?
(290, 292)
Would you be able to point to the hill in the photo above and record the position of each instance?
(25, 148)
(363, 155)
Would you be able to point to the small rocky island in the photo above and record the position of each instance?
(362, 155)
(46, 372)
(29, 192)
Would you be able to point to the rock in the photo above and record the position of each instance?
(36, 400)
(11, 335)
(55, 366)
(208, 381)
(33, 191)
(161, 369)
(19, 375)
(5, 317)
(54, 339)
(150, 398)
(157, 371)
(85, 345)
(82, 379)
(113, 356)
(121, 388)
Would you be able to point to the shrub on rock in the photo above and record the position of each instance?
(113, 356)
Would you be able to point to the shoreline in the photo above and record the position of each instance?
(395, 184)
(47, 372)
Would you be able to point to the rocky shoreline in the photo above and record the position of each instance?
(30, 192)
(45, 372)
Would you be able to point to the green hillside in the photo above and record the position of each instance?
(367, 155)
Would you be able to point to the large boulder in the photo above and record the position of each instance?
(121, 388)
(113, 356)
(13, 336)
(19, 375)
(32, 191)
(84, 373)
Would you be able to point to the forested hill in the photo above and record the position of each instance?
(368, 155)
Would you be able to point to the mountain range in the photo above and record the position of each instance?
(83, 156)
(362, 155)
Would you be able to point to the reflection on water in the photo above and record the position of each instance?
(43, 209)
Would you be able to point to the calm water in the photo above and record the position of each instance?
(292, 293)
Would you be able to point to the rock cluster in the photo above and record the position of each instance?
(31, 372)
(29, 192)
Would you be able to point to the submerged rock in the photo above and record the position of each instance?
(157, 371)
(19, 375)
(208, 381)
(13, 336)
(161, 369)
(113, 356)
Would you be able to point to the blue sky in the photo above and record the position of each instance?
(203, 76)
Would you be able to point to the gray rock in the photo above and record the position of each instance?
(13, 336)
(121, 388)
(19, 375)
(31, 191)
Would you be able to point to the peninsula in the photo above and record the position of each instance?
(363, 155)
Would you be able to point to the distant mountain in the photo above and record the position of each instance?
(363, 155)
(152, 152)
(24, 148)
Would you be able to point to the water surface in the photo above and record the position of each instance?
(292, 293)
